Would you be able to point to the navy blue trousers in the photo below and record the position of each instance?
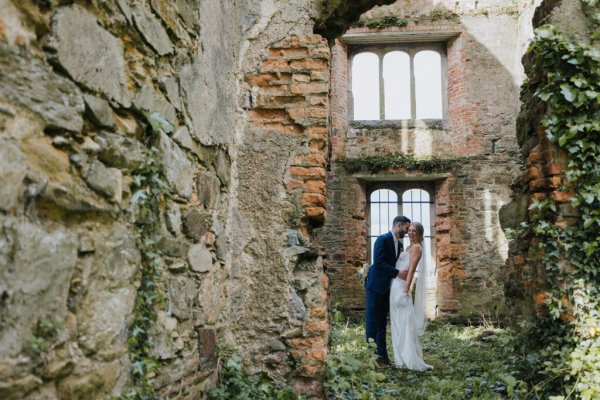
(378, 307)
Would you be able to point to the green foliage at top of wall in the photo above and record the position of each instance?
(566, 363)
(395, 161)
(387, 21)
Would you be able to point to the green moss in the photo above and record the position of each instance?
(396, 161)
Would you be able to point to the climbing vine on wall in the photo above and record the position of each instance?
(379, 163)
(150, 190)
(568, 333)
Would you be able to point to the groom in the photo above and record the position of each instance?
(379, 280)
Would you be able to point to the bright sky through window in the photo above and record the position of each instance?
(365, 86)
(396, 80)
(428, 85)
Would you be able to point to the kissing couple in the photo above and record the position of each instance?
(388, 291)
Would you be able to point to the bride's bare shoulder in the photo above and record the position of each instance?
(415, 248)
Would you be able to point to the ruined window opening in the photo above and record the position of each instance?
(396, 82)
(411, 199)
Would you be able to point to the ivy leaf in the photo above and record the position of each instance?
(568, 93)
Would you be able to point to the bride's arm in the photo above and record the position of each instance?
(415, 255)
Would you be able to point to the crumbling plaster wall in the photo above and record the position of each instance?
(81, 84)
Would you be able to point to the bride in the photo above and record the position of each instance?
(408, 321)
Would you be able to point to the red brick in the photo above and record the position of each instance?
(294, 184)
(311, 159)
(275, 90)
(267, 79)
(317, 144)
(315, 186)
(325, 282)
(317, 131)
(316, 112)
(315, 64)
(315, 355)
(318, 101)
(301, 78)
(308, 343)
(280, 101)
(321, 51)
(555, 168)
(312, 200)
(319, 76)
(310, 172)
(308, 88)
(274, 64)
(267, 115)
(288, 52)
(318, 312)
(561, 197)
(317, 327)
(315, 213)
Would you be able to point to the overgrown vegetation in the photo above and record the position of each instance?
(471, 362)
(388, 21)
(561, 348)
(150, 190)
(234, 383)
(45, 333)
(395, 161)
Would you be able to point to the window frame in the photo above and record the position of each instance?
(411, 49)
(400, 187)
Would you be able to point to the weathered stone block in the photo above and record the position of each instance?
(99, 111)
(200, 258)
(120, 151)
(151, 101)
(182, 292)
(90, 54)
(196, 223)
(106, 181)
(37, 267)
(208, 186)
(179, 170)
(31, 83)
(13, 168)
(151, 29)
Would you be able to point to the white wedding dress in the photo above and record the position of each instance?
(407, 324)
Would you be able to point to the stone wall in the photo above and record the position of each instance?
(233, 95)
(81, 85)
(482, 83)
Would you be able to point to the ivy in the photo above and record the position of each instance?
(234, 383)
(567, 335)
(379, 163)
(150, 190)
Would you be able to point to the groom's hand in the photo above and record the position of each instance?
(403, 274)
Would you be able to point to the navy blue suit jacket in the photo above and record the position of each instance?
(383, 270)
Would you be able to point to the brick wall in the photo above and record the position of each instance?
(289, 96)
(470, 247)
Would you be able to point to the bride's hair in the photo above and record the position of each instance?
(420, 231)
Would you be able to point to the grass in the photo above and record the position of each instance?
(470, 362)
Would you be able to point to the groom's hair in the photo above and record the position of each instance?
(400, 218)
